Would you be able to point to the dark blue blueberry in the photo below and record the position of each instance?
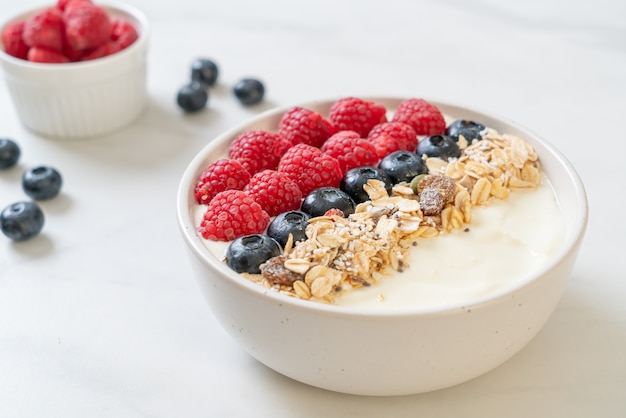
(402, 166)
(468, 128)
(319, 201)
(440, 146)
(249, 91)
(21, 220)
(245, 254)
(41, 182)
(293, 222)
(204, 71)
(9, 153)
(352, 183)
(192, 97)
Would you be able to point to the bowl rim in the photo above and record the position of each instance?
(109, 5)
(193, 240)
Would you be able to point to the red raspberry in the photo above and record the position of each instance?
(12, 40)
(87, 26)
(104, 50)
(37, 54)
(310, 168)
(350, 150)
(232, 214)
(424, 117)
(123, 33)
(389, 137)
(304, 126)
(258, 150)
(274, 191)
(45, 30)
(62, 4)
(221, 175)
(353, 114)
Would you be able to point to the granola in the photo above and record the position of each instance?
(342, 254)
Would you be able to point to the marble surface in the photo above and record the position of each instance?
(100, 315)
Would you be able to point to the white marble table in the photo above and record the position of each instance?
(100, 316)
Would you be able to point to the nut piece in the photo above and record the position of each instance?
(435, 191)
(275, 272)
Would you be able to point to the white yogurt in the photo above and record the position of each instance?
(506, 241)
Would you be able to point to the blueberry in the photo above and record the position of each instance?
(21, 221)
(41, 182)
(192, 97)
(293, 222)
(204, 71)
(353, 181)
(249, 91)
(440, 146)
(319, 201)
(245, 254)
(9, 153)
(402, 166)
(468, 128)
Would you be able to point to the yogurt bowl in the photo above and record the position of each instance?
(407, 350)
(86, 99)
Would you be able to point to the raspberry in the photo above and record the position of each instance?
(232, 214)
(258, 150)
(389, 137)
(221, 175)
(37, 54)
(299, 125)
(274, 191)
(424, 117)
(353, 114)
(104, 50)
(62, 4)
(310, 168)
(350, 150)
(12, 40)
(45, 30)
(87, 26)
(123, 33)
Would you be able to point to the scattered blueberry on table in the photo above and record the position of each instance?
(41, 182)
(249, 91)
(21, 221)
(9, 153)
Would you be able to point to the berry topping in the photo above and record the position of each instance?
(354, 114)
(223, 174)
(204, 71)
(42, 182)
(321, 200)
(389, 137)
(469, 129)
(304, 126)
(350, 150)
(440, 146)
(13, 40)
(422, 116)
(249, 91)
(192, 97)
(232, 214)
(45, 30)
(21, 221)
(310, 168)
(44, 55)
(258, 150)
(274, 191)
(87, 26)
(402, 166)
(352, 183)
(123, 33)
(9, 153)
(293, 222)
(247, 253)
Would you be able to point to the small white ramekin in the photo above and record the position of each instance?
(81, 100)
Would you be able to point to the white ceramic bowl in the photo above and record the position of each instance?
(384, 353)
(81, 99)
